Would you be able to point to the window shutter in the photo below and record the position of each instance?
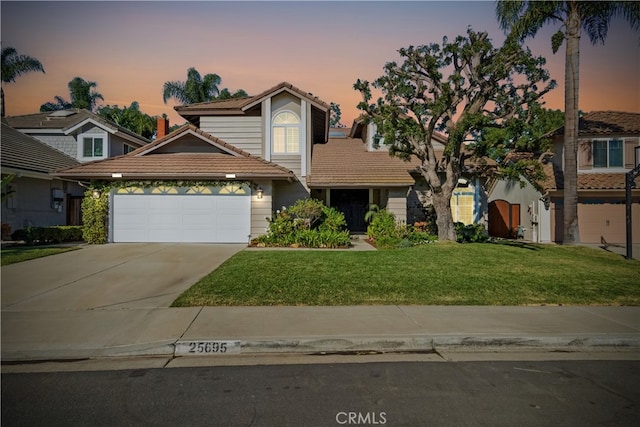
(629, 152)
(585, 159)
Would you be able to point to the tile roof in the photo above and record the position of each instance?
(20, 151)
(345, 161)
(144, 164)
(237, 105)
(64, 122)
(606, 123)
(586, 181)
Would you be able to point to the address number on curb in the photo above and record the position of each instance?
(207, 348)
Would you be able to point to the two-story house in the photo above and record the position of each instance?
(608, 147)
(219, 177)
(53, 140)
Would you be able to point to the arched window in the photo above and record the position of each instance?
(286, 133)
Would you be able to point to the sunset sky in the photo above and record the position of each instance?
(131, 48)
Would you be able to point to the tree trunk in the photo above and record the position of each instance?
(571, 81)
(444, 219)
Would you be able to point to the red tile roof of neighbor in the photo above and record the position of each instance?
(606, 123)
(586, 181)
(144, 164)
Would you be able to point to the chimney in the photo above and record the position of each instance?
(163, 127)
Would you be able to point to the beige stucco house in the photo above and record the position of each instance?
(219, 177)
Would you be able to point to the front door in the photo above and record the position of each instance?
(353, 204)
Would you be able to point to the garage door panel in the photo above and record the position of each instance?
(181, 218)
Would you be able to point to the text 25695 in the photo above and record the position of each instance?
(208, 347)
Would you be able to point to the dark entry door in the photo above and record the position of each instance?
(353, 204)
(74, 210)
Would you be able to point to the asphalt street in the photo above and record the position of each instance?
(506, 393)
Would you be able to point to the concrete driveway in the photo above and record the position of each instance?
(114, 276)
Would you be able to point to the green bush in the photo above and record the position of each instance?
(472, 233)
(332, 220)
(387, 233)
(94, 217)
(308, 223)
(48, 235)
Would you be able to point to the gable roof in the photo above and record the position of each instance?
(345, 162)
(602, 123)
(145, 163)
(22, 152)
(66, 121)
(239, 106)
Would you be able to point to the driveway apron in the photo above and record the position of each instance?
(113, 276)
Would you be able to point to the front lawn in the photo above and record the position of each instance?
(435, 274)
(14, 254)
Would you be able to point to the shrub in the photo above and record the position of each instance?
(382, 224)
(332, 220)
(308, 223)
(46, 235)
(472, 233)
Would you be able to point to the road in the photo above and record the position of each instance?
(494, 393)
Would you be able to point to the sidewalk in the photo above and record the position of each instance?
(96, 333)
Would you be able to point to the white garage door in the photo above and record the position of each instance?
(181, 218)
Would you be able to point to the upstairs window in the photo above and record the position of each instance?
(608, 153)
(286, 133)
(92, 147)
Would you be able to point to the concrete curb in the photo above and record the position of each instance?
(334, 344)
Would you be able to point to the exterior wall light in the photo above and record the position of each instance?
(95, 194)
(259, 192)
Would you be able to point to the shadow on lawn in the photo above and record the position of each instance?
(516, 244)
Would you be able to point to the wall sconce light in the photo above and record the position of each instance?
(259, 192)
(376, 139)
(95, 194)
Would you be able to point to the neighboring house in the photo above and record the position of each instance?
(80, 134)
(34, 196)
(218, 178)
(608, 147)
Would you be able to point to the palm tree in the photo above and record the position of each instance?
(523, 19)
(83, 95)
(14, 65)
(194, 89)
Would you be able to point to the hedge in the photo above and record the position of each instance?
(46, 235)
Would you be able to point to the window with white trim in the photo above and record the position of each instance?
(286, 133)
(92, 146)
(608, 153)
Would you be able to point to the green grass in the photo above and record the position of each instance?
(14, 254)
(436, 274)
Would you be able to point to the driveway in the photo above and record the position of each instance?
(112, 276)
